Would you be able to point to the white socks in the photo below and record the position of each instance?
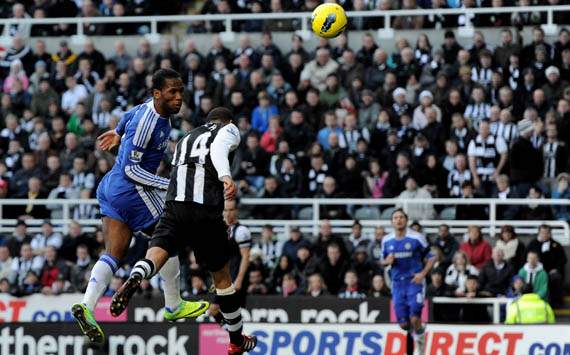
(101, 275)
(170, 274)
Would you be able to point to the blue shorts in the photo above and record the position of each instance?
(408, 299)
(137, 206)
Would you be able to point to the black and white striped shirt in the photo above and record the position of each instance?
(477, 112)
(508, 131)
(200, 160)
(487, 154)
(549, 154)
(455, 179)
(482, 75)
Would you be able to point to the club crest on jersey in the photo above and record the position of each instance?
(135, 156)
(408, 246)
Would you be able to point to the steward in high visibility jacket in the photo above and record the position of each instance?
(529, 309)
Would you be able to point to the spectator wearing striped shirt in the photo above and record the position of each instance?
(487, 157)
(351, 289)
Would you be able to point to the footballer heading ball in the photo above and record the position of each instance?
(328, 20)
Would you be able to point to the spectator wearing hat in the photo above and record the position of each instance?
(420, 120)
(47, 238)
(400, 106)
(554, 86)
(64, 54)
(525, 161)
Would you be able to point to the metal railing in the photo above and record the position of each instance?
(495, 302)
(561, 229)
(550, 26)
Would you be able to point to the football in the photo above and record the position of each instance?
(328, 20)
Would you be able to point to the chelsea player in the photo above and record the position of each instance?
(408, 254)
(131, 200)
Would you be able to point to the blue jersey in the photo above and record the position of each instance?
(409, 253)
(143, 143)
(130, 191)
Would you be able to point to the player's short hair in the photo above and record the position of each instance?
(399, 210)
(220, 114)
(160, 76)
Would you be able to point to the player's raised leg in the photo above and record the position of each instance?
(117, 236)
(175, 307)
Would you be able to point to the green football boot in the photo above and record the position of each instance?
(186, 309)
(87, 323)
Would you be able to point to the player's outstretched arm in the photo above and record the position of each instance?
(109, 140)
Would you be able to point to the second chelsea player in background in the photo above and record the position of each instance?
(130, 199)
(408, 254)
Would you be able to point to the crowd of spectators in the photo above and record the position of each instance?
(347, 266)
(38, 9)
(369, 23)
(343, 120)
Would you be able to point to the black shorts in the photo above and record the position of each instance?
(200, 227)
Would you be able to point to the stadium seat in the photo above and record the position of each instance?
(367, 213)
(447, 213)
(305, 213)
(387, 213)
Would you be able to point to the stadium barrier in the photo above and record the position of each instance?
(280, 339)
(311, 207)
(259, 309)
(495, 302)
(550, 27)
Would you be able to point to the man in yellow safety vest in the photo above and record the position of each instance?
(529, 309)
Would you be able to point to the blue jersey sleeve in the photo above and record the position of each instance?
(120, 129)
(144, 124)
